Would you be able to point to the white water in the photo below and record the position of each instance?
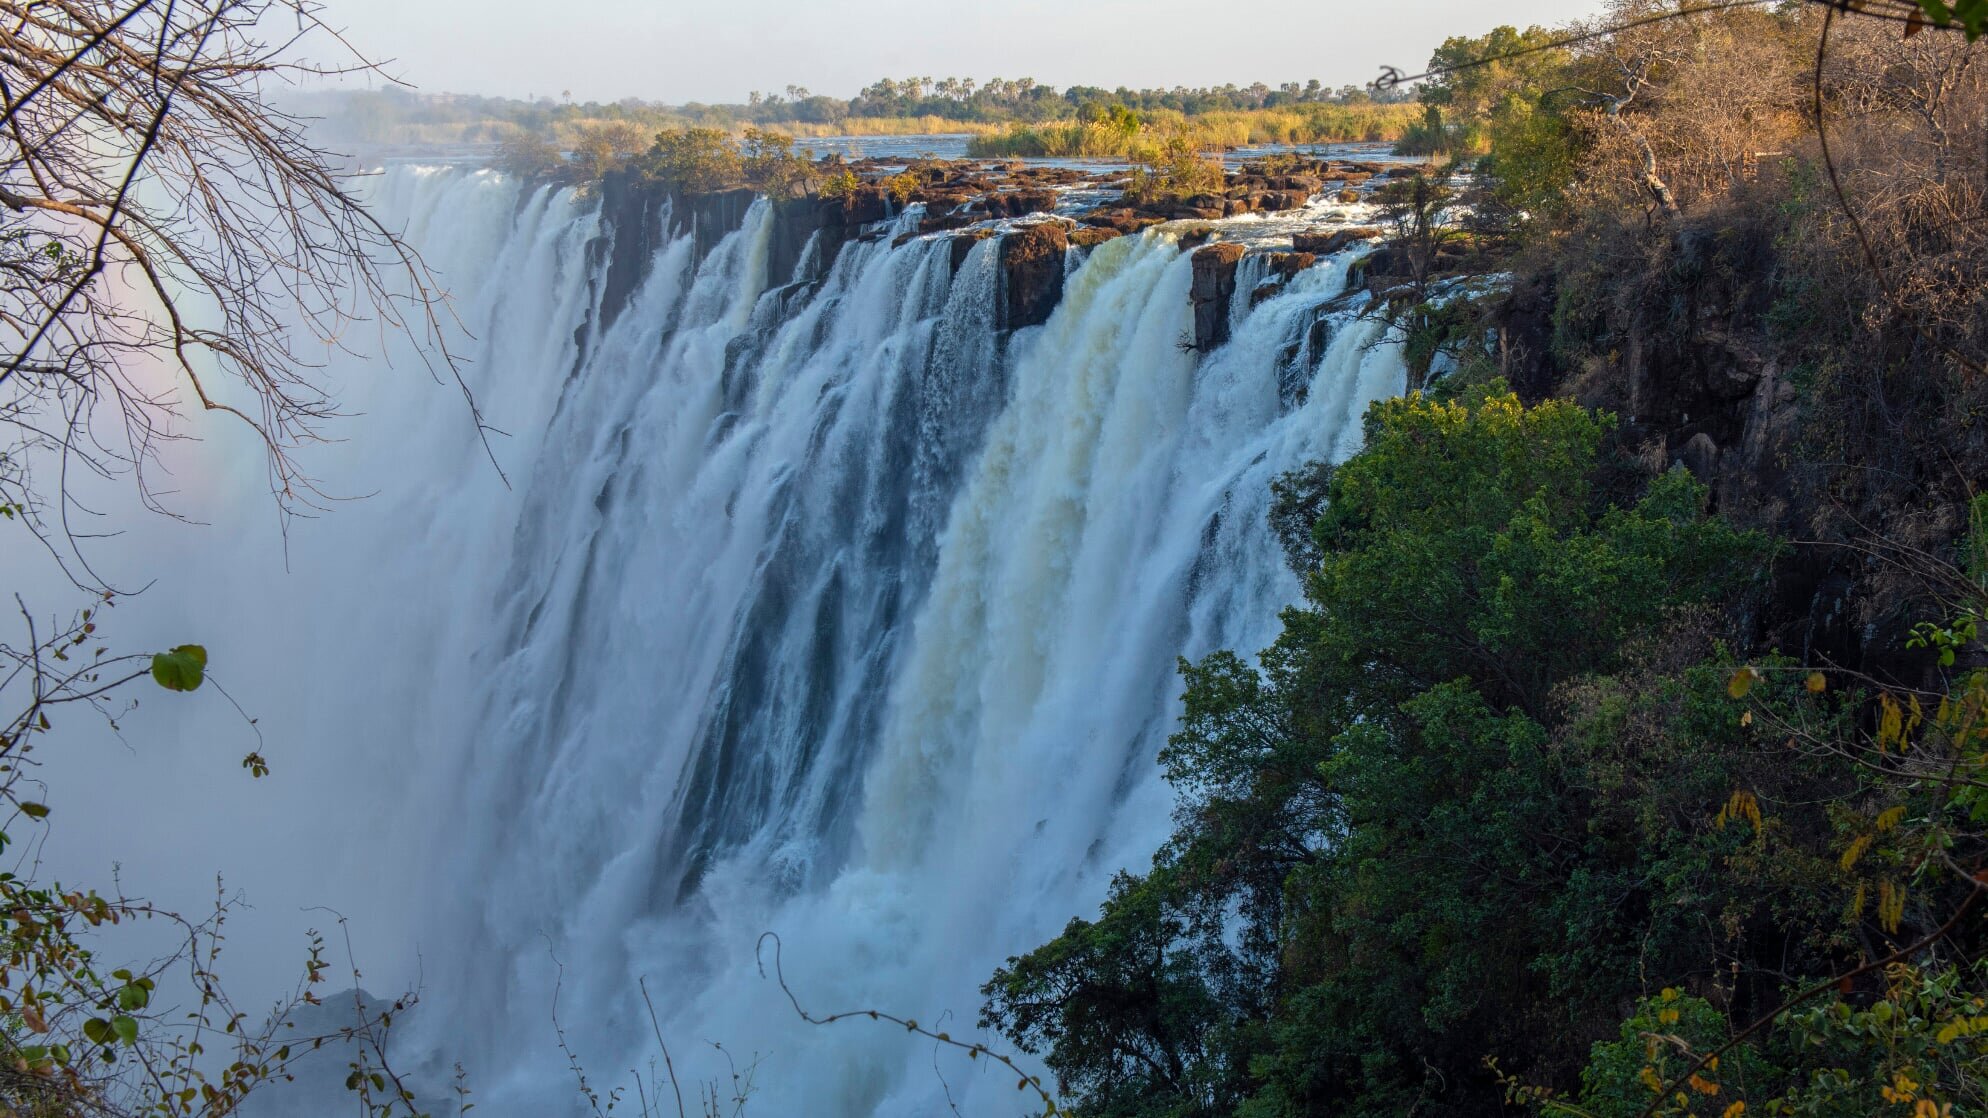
(833, 617)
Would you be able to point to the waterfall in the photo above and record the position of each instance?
(814, 605)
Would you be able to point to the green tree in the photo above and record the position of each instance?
(1387, 862)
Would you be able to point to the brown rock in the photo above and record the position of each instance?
(1325, 242)
(963, 244)
(1090, 236)
(1032, 271)
(1020, 203)
(1194, 236)
(1288, 264)
(865, 204)
(1348, 197)
(1213, 286)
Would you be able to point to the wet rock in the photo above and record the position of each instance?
(1020, 203)
(1032, 274)
(1325, 242)
(1194, 236)
(963, 243)
(868, 203)
(941, 224)
(1214, 284)
(1288, 264)
(1348, 197)
(1278, 200)
(1090, 236)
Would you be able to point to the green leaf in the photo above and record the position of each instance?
(97, 1030)
(182, 669)
(35, 811)
(126, 1029)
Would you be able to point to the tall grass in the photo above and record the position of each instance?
(882, 126)
(1307, 124)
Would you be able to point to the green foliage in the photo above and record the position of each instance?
(1475, 76)
(1534, 153)
(529, 156)
(1457, 809)
(695, 160)
(182, 669)
(1177, 170)
(1970, 16)
(768, 163)
(1117, 1005)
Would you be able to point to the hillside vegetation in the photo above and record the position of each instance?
(1625, 755)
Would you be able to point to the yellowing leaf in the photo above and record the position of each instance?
(1741, 683)
(1734, 1111)
(1855, 851)
(1890, 817)
(1816, 683)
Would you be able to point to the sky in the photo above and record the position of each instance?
(719, 50)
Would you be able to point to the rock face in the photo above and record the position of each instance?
(963, 244)
(1325, 242)
(1124, 220)
(1214, 284)
(1020, 203)
(1090, 236)
(1287, 264)
(1032, 274)
(637, 222)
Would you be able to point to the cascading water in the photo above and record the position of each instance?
(825, 609)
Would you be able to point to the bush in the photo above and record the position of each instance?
(696, 160)
(1177, 170)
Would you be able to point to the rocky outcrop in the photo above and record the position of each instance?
(1020, 203)
(1284, 265)
(1032, 274)
(1090, 236)
(1325, 242)
(963, 243)
(1122, 219)
(1213, 286)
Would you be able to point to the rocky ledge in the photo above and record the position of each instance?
(1050, 211)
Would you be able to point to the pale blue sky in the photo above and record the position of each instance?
(718, 50)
